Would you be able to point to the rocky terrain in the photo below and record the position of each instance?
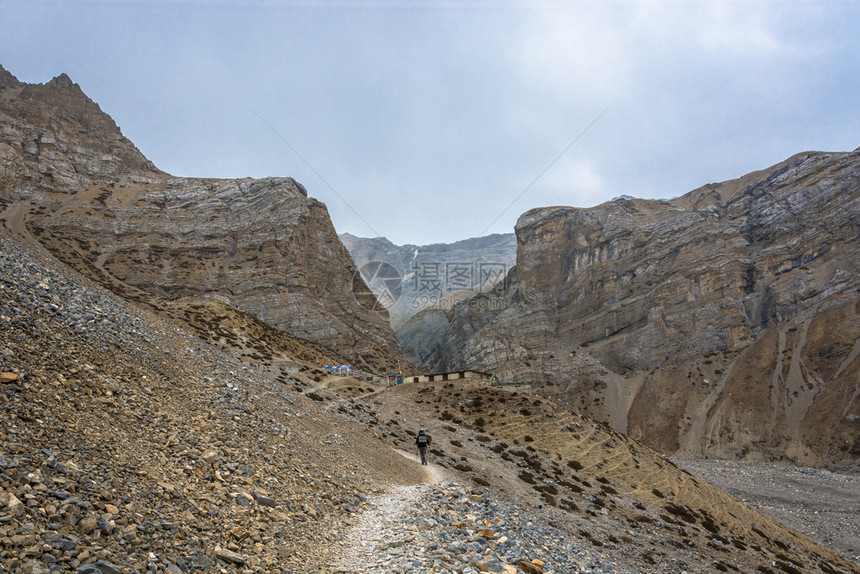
(130, 444)
(822, 505)
(416, 277)
(146, 429)
(72, 183)
(722, 323)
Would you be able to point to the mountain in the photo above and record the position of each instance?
(409, 278)
(723, 323)
(147, 431)
(72, 183)
(131, 444)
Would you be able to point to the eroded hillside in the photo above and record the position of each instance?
(70, 182)
(130, 444)
(723, 323)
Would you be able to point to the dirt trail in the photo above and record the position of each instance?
(387, 522)
(433, 473)
(14, 217)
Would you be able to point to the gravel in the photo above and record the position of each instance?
(824, 506)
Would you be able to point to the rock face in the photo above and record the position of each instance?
(415, 277)
(70, 181)
(723, 323)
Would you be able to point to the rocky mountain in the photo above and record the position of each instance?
(409, 278)
(145, 431)
(130, 444)
(70, 182)
(723, 323)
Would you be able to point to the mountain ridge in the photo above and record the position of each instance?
(72, 183)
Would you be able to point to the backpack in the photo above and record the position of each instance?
(422, 440)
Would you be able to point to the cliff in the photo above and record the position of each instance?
(722, 323)
(409, 278)
(71, 182)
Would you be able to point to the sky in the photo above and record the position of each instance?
(434, 121)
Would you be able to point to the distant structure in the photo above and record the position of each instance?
(224, 298)
(340, 370)
(520, 387)
(457, 375)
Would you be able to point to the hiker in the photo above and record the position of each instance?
(423, 441)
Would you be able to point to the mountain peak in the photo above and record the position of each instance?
(62, 81)
(7, 79)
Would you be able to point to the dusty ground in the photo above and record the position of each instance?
(822, 505)
(132, 442)
(585, 477)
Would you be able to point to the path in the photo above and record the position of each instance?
(388, 525)
(433, 473)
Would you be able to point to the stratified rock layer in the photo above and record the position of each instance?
(722, 323)
(70, 181)
(422, 276)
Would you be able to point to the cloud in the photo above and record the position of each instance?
(739, 29)
(430, 118)
(574, 181)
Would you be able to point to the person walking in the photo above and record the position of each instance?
(423, 442)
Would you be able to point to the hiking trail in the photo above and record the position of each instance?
(389, 523)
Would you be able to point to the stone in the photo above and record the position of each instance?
(264, 500)
(88, 524)
(10, 500)
(8, 377)
(530, 568)
(108, 567)
(229, 555)
(61, 542)
(103, 525)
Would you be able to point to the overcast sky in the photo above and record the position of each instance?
(424, 121)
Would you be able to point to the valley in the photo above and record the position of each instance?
(167, 408)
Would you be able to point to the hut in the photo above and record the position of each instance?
(452, 376)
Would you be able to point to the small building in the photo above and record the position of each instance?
(223, 297)
(454, 376)
(339, 370)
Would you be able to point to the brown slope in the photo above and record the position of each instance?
(129, 442)
(252, 341)
(589, 479)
